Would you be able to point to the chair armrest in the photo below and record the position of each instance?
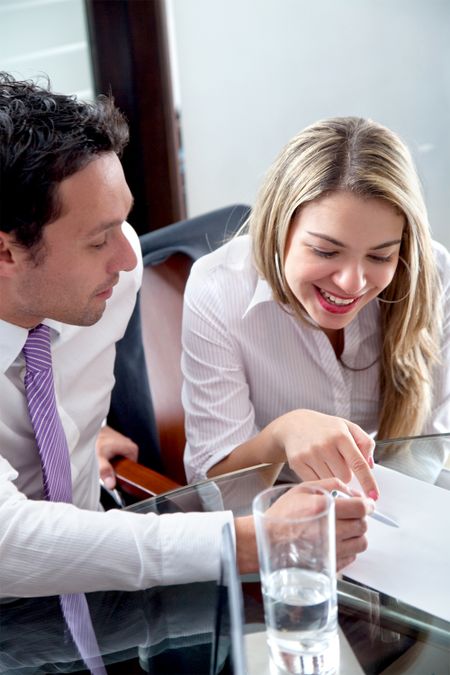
(139, 481)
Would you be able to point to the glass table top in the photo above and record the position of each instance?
(173, 629)
(378, 626)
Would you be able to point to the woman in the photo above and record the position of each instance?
(327, 324)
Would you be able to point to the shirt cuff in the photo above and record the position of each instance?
(191, 546)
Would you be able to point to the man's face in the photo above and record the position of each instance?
(81, 253)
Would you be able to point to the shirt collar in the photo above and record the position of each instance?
(263, 293)
(13, 338)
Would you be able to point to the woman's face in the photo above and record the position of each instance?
(342, 251)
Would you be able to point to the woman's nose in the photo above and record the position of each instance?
(351, 279)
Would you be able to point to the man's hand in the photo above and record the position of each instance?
(351, 525)
(109, 444)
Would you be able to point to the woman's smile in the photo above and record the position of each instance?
(334, 303)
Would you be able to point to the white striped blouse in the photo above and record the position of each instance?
(247, 361)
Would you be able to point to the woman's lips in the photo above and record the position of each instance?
(329, 305)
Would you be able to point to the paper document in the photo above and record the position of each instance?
(411, 562)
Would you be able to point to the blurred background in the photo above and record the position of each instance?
(213, 89)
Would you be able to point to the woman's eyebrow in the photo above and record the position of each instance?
(326, 237)
(393, 242)
(336, 242)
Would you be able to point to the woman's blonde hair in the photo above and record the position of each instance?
(368, 160)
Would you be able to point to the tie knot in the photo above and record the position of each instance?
(37, 350)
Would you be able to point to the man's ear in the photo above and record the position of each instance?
(8, 254)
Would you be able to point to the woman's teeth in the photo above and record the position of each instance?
(334, 300)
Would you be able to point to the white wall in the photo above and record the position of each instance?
(252, 73)
(47, 37)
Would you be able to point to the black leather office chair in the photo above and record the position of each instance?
(151, 347)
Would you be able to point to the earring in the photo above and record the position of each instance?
(278, 268)
(394, 302)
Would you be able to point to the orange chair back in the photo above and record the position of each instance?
(161, 312)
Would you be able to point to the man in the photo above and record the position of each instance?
(70, 262)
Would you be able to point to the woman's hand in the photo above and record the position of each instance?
(109, 444)
(321, 446)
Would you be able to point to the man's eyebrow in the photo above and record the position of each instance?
(335, 242)
(103, 227)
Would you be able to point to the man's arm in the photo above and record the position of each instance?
(48, 548)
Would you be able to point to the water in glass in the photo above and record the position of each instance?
(301, 620)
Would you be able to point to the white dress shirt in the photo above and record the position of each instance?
(246, 361)
(50, 548)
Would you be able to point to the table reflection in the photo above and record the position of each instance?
(149, 631)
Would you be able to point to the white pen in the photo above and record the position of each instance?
(115, 494)
(375, 514)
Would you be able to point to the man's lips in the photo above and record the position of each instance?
(104, 295)
(336, 304)
(107, 292)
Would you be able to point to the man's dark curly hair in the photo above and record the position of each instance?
(45, 138)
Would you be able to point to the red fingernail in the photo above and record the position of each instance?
(373, 494)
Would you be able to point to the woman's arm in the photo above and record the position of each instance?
(314, 445)
(219, 415)
(221, 431)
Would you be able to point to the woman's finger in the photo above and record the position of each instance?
(356, 461)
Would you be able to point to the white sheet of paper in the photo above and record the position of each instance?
(411, 562)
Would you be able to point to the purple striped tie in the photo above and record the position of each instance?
(54, 454)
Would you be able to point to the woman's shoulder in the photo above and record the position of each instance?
(442, 258)
(231, 260)
(226, 272)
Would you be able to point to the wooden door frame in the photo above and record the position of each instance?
(130, 59)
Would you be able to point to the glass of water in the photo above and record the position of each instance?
(297, 556)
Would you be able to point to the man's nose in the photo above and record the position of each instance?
(125, 258)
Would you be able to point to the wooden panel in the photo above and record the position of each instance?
(131, 59)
